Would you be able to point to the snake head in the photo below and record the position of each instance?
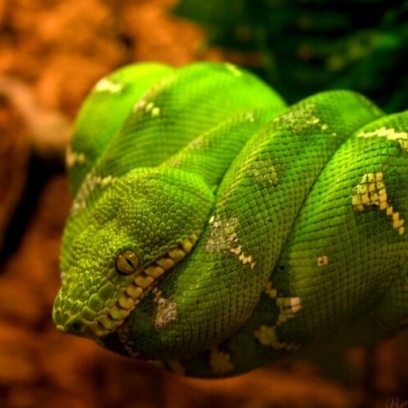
(141, 227)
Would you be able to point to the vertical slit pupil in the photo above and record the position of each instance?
(130, 263)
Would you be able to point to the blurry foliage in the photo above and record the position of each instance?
(304, 46)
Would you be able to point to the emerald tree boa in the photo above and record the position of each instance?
(215, 229)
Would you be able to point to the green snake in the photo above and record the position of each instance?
(216, 230)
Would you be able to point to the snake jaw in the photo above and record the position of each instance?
(143, 283)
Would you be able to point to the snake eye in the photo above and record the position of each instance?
(127, 262)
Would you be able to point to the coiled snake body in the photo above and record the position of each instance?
(217, 230)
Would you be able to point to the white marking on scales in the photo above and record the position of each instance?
(233, 69)
(390, 134)
(147, 106)
(153, 109)
(73, 158)
(371, 192)
(107, 85)
(224, 238)
(88, 186)
(322, 260)
(288, 309)
(166, 310)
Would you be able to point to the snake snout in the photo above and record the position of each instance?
(74, 325)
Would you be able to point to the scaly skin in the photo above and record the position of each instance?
(217, 230)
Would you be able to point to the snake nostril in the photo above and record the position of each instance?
(75, 325)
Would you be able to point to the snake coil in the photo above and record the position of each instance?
(216, 230)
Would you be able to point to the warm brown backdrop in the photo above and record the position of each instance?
(51, 53)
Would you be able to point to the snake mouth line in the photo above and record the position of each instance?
(142, 284)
